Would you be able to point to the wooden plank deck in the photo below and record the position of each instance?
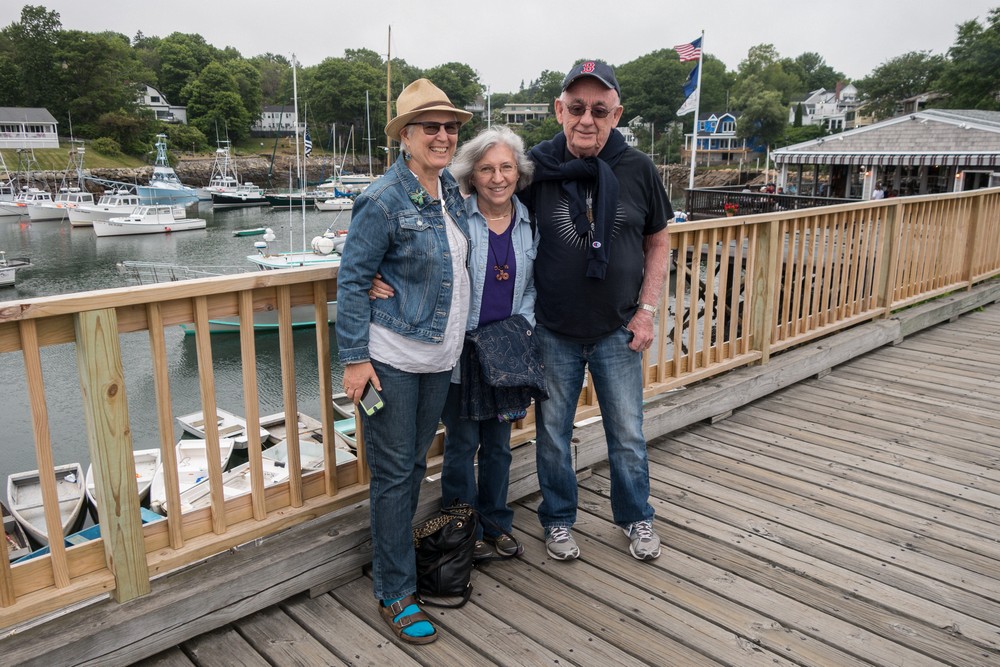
(847, 520)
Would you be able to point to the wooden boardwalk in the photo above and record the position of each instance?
(847, 520)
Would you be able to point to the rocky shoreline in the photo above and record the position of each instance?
(196, 171)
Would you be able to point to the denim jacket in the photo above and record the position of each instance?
(406, 242)
(525, 247)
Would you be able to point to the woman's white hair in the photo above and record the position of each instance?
(472, 151)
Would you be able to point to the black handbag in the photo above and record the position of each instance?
(444, 546)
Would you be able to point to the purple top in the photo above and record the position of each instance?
(498, 293)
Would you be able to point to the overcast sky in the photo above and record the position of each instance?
(514, 41)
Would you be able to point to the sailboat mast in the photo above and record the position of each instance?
(388, 100)
(368, 124)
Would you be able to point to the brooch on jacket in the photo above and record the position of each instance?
(420, 197)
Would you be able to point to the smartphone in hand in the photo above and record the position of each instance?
(371, 401)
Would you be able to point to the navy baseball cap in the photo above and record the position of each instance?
(595, 68)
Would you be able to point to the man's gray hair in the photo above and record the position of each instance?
(472, 151)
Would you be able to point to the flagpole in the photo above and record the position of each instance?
(697, 112)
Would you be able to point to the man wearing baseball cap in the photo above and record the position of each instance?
(602, 261)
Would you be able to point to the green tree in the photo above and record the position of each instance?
(813, 72)
(99, 73)
(652, 86)
(544, 89)
(182, 58)
(896, 79)
(970, 77)
(32, 43)
(764, 70)
(458, 81)
(763, 117)
(272, 70)
(132, 131)
(215, 105)
(798, 134)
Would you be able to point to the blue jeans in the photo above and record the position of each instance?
(397, 438)
(463, 437)
(617, 377)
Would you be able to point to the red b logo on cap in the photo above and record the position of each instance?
(588, 68)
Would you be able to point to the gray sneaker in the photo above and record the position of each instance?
(560, 544)
(644, 544)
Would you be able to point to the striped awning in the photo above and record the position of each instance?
(890, 159)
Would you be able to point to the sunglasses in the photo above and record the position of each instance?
(431, 128)
(596, 112)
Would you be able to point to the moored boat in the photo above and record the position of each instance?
(235, 482)
(58, 209)
(14, 535)
(164, 187)
(147, 461)
(343, 406)
(24, 499)
(9, 268)
(113, 204)
(245, 194)
(89, 534)
(223, 177)
(154, 219)
(335, 204)
(229, 425)
(192, 467)
(294, 199)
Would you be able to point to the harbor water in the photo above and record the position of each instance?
(70, 259)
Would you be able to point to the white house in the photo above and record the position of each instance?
(835, 110)
(164, 110)
(275, 120)
(22, 127)
(518, 113)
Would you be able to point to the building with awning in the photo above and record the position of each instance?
(925, 152)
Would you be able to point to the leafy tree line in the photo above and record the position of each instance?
(93, 82)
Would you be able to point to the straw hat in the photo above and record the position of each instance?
(417, 98)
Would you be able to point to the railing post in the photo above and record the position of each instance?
(764, 287)
(105, 409)
(888, 261)
(972, 240)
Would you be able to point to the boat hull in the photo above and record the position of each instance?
(119, 227)
(24, 498)
(168, 196)
(302, 317)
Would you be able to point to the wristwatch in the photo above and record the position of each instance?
(653, 310)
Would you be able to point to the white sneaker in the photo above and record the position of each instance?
(644, 544)
(560, 544)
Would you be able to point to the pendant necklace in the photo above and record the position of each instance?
(502, 269)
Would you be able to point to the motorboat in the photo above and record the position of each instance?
(113, 204)
(58, 209)
(9, 268)
(224, 178)
(335, 204)
(246, 194)
(153, 219)
(164, 186)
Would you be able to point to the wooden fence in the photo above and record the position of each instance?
(742, 289)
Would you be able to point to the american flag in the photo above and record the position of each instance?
(308, 143)
(690, 51)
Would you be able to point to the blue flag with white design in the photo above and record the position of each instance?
(307, 142)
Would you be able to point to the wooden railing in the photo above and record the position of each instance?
(742, 289)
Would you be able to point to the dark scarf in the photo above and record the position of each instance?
(553, 163)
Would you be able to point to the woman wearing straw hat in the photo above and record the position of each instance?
(411, 227)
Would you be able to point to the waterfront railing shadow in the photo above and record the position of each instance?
(741, 290)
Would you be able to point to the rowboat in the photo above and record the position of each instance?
(343, 406)
(192, 467)
(9, 268)
(252, 231)
(230, 426)
(24, 498)
(89, 534)
(147, 461)
(235, 483)
(17, 540)
(310, 431)
(311, 455)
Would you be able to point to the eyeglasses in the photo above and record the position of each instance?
(431, 128)
(596, 112)
(506, 169)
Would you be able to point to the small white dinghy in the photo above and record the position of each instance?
(235, 483)
(24, 498)
(147, 462)
(192, 467)
(230, 426)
